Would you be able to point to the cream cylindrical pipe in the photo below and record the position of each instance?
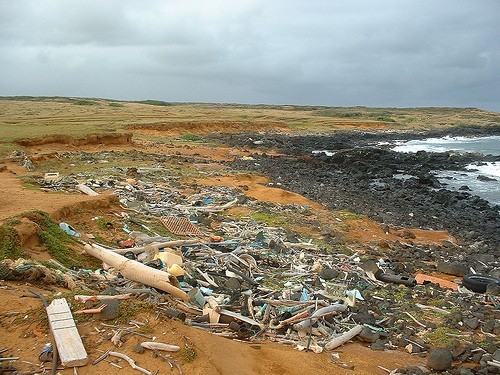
(136, 271)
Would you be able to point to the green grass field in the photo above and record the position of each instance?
(35, 117)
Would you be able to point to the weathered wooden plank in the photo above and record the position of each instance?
(68, 341)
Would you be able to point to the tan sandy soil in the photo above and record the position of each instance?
(368, 231)
(15, 199)
(257, 187)
(363, 230)
(26, 333)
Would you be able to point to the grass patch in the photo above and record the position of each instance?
(190, 137)
(84, 102)
(31, 186)
(54, 238)
(385, 118)
(440, 336)
(129, 310)
(114, 104)
(102, 223)
(269, 218)
(30, 183)
(10, 242)
(347, 215)
(155, 102)
(188, 353)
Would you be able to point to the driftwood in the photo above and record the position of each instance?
(302, 245)
(83, 298)
(117, 338)
(341, 340)
(160, 346)
(170, 361)
(320, 313)
(242, 275)
(414, 319)
(494, 363)
(156, 246)
(136, 271)
(328, 310)
(299, 316)
(243, 318)
(96, 310)
(208, 208)
(433, 308)
(131, 362)
(284, 303)
(209, 280)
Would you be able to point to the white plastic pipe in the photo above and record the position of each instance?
(136, 271)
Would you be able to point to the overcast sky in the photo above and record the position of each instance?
(386, 53)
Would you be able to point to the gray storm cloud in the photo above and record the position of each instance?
(361, 52)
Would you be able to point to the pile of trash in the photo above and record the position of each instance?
(249, 281)
(254, 283)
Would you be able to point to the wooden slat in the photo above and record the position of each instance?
(68, 341)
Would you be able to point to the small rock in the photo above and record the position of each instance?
(485, 178)
(110, 292)
(378, 345)
(367, 335)
(416, 370)
(493, 289)
(465, 371)
(412, 349)
(448, 244)
(139, 349)
(491, 348)
(485, 258)
(408, 234)
(431, 325)
(472, 323)
(111, 311)
(476, 357)
(233, 283)
(495, 272)
(489, 326)
(440, 359)
(453, 268)
(329, 273)
(363, 318)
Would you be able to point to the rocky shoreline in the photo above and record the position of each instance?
(398, 189)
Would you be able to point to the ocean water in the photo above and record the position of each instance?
(488, 186)
(483, 145)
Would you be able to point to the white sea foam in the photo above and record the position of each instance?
(487, 189)
(485, 145)
(488, 169)
(326, 152)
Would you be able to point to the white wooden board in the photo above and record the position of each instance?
(68, 341)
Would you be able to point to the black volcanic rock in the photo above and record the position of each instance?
(364, 178)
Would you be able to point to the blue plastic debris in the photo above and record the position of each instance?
(69, 229)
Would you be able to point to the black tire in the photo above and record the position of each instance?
(478, 283)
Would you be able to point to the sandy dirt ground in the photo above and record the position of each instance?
(25, 333)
